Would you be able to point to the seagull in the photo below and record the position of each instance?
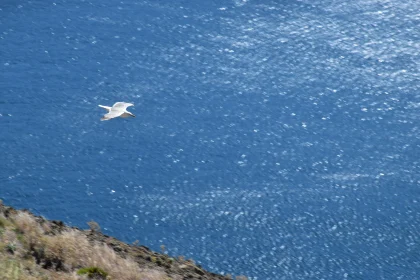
(119, 109)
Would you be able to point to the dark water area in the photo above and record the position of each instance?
(274, 139)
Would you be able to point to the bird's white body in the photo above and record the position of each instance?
(119, 109)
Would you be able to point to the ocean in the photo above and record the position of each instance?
(272, 139)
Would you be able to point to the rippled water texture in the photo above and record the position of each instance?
(274, 140)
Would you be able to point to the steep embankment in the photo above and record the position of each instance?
(32, 247)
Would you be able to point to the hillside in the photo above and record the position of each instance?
(32, 247)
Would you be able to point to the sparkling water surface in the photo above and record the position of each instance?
(273, 139)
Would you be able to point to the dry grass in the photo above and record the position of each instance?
(4, 222)
(59, 256)
(74, 251)
(15, 268)
(33, 248)
(26, 225)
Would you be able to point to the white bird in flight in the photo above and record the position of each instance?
(119, 109)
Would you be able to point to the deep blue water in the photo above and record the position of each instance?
(274, 139)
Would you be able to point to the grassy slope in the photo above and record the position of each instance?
(32, 247)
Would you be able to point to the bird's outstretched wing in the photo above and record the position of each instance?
(112, 114)
(121, 105)
(105, 107)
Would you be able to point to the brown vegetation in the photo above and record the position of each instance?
(34, 248)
